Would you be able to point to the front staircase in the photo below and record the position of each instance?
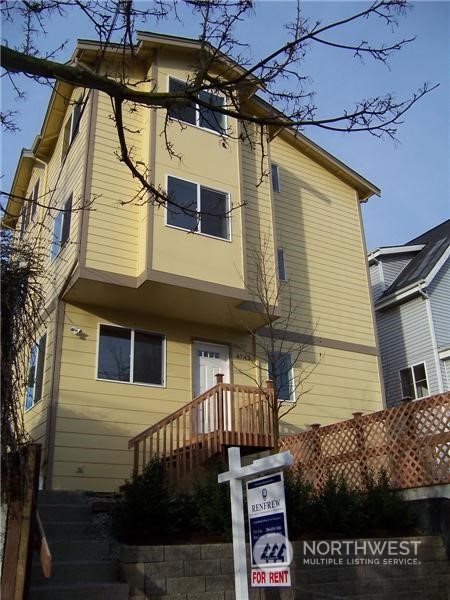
(83, 562)
(225, 415)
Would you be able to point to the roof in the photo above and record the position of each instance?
(432, 248)
(87, 51)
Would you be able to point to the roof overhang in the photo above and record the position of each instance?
(390, 250)
(418, 287)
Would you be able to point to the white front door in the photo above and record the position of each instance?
(209, 360)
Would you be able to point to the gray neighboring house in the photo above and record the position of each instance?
(411, 293)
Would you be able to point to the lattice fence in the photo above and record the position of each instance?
(411, 442)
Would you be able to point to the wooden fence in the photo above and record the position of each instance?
(20, 527)
(411, 442)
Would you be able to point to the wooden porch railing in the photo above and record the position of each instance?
(225, 415)
(411, 442)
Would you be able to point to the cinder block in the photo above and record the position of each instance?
(130, 554)
(155, 587)
(219, 582)
(202, 567)
(186, 585)
(181, 553)
(227, 566)
(172, 568)
(216, 551)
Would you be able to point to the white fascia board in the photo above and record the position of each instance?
(401, 295)
(444, 354)
(379, 252)
(437, 267)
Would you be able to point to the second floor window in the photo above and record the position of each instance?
(61, 228)
(414, 381)
(275, 173)
(130, 356)
(197, 114)
(198, 208)
(281, 372)
(35, 373)
(281, 265)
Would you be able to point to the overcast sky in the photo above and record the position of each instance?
(413, 173)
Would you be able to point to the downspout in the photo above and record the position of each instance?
(437, 362)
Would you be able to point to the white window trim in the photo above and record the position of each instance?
(133, 330)
(197, 231)
(197, 111)
(411, 368)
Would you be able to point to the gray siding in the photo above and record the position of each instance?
(394, 265)
(439, 292)
(405, 340)
(376, 280)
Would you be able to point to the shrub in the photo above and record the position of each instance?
(212, 502)
(145, 510)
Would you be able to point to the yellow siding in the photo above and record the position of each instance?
(178, 251)
(113, 232)
(318, 226)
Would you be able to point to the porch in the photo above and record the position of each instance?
(225, 415)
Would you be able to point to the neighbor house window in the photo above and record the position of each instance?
(197, 114)
(130, 355)
(275, 172)
(281, 265)
(71, 127)
(198, 208)
(61, 228)
(414, 381)
(35, 373)
(281, 372)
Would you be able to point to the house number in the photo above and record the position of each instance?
(243, 357)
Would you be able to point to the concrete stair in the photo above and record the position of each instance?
(83, 566)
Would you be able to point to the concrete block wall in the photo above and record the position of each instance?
(205, 572)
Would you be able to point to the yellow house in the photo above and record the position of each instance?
(146, 304)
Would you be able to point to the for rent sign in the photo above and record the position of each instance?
(271, 552)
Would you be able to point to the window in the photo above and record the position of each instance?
(414, 381)
(131, 356)
(61, 228)
(198, 208)
(275, 172)
(282, 374)
(34, 198)
(35, 373)
(195, 113)
(281, 265)
(71, 127)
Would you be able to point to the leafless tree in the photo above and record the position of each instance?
(282, 358)
(22, 313)
(284, 88)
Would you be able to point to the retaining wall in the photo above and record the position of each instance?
(205, 572)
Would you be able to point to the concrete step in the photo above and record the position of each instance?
(78, 550)
(76, 571)
(71, 531)
(62, 497)
(54, 513)
(105, 591)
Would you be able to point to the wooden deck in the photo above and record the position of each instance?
(226, 415)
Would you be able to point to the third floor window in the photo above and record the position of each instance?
(196, 113)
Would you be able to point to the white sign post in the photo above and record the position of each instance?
(236, 474)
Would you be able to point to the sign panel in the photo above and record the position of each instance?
(271, 552)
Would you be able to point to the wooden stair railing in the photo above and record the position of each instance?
(225, 415)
